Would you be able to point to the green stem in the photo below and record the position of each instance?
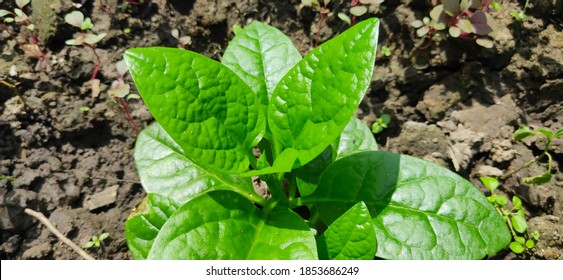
(254, 197)
(292, 187)
(536, 159)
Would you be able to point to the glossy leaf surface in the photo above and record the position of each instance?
(420, 210)
(225, 225)
(164, 169)
(206, 108)
(283, 164)
(145, 222)
(261, 55)
(356, 137)
(351, 236)
(312, 104)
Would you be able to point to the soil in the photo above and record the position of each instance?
(454, 103)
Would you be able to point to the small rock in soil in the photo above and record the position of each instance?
(37, 252)
(422, 140)
(101, 199)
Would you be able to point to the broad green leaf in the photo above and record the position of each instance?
(519, 223)
(164, 169)
(283, 164)
(312, 104)
(206, 108)
(145, 222)
(523, 132)
(356, 137)
(420, 210)
(261, 55)
(225, 225)
(351, 236)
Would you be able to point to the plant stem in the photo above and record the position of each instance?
(129, 118)
(17, 92)
(57, 233)
(503, 177)
(98, 62)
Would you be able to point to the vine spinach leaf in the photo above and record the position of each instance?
(261, 55)
(205, 107)
(356, 137)
(350, 237)
(420, 210)
(225, 225)
(314, 101)
(164, 169)
(145, 222)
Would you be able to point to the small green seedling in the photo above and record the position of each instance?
(381, 123)
(29, 44)
(546, 137)
(385, 51)
(86, 39)
(7, 178)
(96, 241)
(521, 15)
(268, 112)
(465, 19)
(514, 216)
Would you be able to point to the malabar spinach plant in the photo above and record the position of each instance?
(265, 111)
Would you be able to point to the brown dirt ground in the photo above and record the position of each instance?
(455, 103)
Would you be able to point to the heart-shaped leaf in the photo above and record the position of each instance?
(206, 108)
(225, 225)
(420, 210)
(312, 104)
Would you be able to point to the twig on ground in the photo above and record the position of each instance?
(57, 233)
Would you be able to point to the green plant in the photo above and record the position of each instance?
(385, 50)
(30, 43)
(465, 19)
(514, 216)
(96, 241)
(291, 120)
(86, 39)
(546, 137)
(381, 123)
(521, 16)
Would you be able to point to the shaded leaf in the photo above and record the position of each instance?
(235, 228)
(420, 210)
